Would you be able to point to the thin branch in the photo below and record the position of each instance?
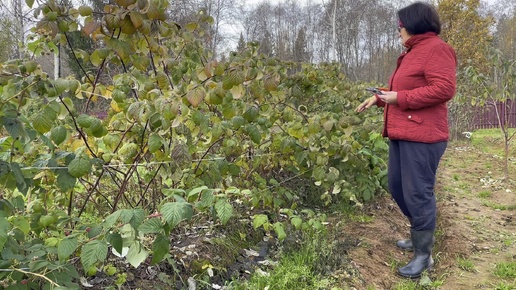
(37, 275)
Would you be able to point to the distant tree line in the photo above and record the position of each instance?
(361, 35)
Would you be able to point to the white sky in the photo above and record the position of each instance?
(490, 2)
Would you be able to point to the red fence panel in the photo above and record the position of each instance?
(487, 116)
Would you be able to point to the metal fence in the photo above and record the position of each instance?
(487, 117)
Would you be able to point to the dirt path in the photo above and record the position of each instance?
(476, 229)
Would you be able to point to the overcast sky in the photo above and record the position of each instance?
(326, 1)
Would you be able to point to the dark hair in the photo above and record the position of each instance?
(419, 18)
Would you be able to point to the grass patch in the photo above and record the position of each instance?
(490, 141)
(405, 285)
(466, 264)
(508, 242)
(306, 267)
(353, 214)
(506, 270)
(423, 283)
(485, 194)
(504, 286)
(498, 206)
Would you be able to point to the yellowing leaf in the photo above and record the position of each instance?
(115, 107)
(136, 19)
(191, 26)
(85, 11)
(95, 58)
(328, 125)
(237, 92)
(127, 26)
(196, 96)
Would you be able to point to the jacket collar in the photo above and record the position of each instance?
(418, 38)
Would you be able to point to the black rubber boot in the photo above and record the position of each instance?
(423, 242)
(405, 245)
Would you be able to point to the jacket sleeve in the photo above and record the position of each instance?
(379, 101)
(440, 75)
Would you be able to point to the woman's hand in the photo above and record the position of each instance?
(389, 97)
(366, 104)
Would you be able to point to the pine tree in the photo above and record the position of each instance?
(241, 43)
(266, 44)
(300, 52)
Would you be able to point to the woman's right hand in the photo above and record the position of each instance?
(366, 104)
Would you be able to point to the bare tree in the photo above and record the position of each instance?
(13, 26)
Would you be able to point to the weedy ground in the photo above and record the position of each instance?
(475, 240)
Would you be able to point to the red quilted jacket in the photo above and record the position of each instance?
(425, 80)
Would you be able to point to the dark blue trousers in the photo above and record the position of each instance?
(411, 178)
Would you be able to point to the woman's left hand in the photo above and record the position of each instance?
(389, 97)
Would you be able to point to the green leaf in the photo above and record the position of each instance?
(151, 226)
(16, 170)
(5, 227)
(93, 252)
(5, 168)
(58, 134)
(66, 247)
(155, 142)
(84, 120)
(134, 217)
(160, 248)
(122, 48)
(29, 3)
(296, 222)
(251, 114)
(80, 166)
(175, 212)
(425, 281)
(38, 264)
(224, 210)
(259, 220)
(22, 223)
(94, 231)
(254, 133)
(196, 190)
(111, 219)
(207, 199)
(14, 127)
(198, 117)
(280, 231)
(136, 254)
(65, 181)
(42, 123)
(237, 121)
(116, 241)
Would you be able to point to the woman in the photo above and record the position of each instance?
(416, 123)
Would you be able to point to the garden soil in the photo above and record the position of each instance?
(476, 223)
